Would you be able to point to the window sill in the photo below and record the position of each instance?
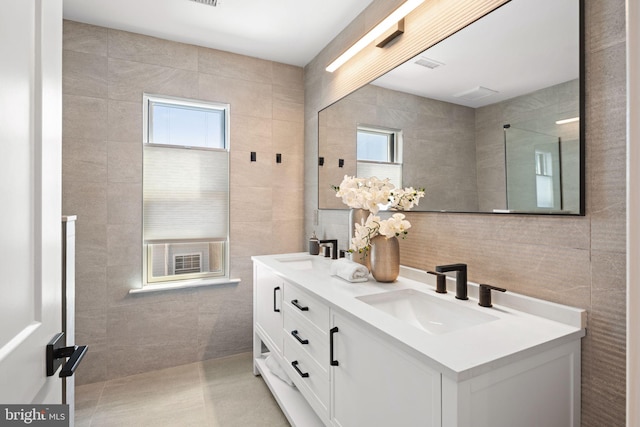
(183, 284)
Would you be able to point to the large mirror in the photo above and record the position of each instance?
(488, 120)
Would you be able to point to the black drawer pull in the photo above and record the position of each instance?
(297, 304)
(295, 366)
(332, 331)
(296, 336)
(275, 298)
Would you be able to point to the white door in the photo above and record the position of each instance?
(30, 191)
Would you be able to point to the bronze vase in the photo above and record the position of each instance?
(385, 258)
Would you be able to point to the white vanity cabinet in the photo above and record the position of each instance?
(306, 354)
(375, 385)
(353, 365)
(268, 292)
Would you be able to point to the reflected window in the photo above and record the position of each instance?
(544, 179)
(376, 145)
(379, 153)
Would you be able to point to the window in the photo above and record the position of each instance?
(185, 189)
(377, 145)
(544, 179)
(379, 153)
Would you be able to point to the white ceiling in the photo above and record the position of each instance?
(288, 31)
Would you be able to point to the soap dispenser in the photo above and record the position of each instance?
(314, 245)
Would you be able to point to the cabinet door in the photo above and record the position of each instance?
(374, 384)
(269, 289)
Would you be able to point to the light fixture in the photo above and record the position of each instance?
(376, 32)
(565, 121)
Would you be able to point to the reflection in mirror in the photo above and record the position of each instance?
(486, 120)
(379, 153)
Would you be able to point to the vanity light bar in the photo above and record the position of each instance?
(565, 121)
(376, 32)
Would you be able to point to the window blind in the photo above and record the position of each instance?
(186, 193)
(393, 171)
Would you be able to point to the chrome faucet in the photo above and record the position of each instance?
(461, 278)
(334, 247)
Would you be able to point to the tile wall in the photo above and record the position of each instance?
(578, 261)
(105, 73)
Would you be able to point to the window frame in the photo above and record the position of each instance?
(394, 143)
(193, 279)
(147, 117)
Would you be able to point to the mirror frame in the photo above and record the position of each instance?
(582, 128)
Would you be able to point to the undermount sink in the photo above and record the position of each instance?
(298, 263)
(428, 313)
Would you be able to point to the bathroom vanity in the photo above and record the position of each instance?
(374, 354)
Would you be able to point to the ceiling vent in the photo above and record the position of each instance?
(208, 2)
(429, 63)
(476, 93)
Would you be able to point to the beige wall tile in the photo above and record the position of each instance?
(84, 118)
(123, 244)
(251, 133)
(245, 173)
(247, 98)
(125, 121)
(232, 65)
(84, 160)
(152, 50)
(124, 161)
(84, 38)
(88, 200)
(253, 238)
(251, 204)
(124, 206)
(128, 80)
(289, 76)
(84, 74)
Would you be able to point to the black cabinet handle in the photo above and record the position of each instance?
(332, 331)
(276, 309)
(295, 366)
(296, 336)
(297, 304)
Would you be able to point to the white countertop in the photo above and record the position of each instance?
(525, 326)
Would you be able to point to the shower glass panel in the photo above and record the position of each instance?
(535, 171)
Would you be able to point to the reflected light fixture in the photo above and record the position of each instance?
(376, 32)
(565, 121)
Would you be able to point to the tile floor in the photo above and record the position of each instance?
(214, 393)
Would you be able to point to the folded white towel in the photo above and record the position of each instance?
(349, 270)
(277, 370)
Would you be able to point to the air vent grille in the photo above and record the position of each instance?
(208, 2)
(187, 263)
(428, 62)
(476, 93)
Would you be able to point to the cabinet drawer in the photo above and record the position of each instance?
(307, 306)
(308, 339)
(307, 375)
